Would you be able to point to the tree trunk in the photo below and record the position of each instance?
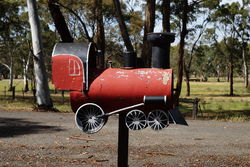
(123, 27)
(149, 24)
(26, 83)
(245, 66)
(180, 62)
(187, 65)
(78, 17)
(8, 67)
(166, 21)
(100, 35)
(59, 21)
(218, 73)
(25, 71)
(231, 81)
(43, 99)
(11, 74)
(187, 80)
(166, 15)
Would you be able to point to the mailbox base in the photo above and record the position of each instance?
(123, 135)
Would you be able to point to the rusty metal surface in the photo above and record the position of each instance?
(115, 88)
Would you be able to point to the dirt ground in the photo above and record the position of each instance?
(52, 139)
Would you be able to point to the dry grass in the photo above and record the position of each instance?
(215, 103)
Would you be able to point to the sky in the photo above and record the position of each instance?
(230, 1)
(158, 27)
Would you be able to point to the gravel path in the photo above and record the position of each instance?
(52, 139)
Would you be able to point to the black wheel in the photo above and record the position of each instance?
(88, 118)
(136, 120)
(158, 119)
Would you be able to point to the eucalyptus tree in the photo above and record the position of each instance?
(149, 24)
(233, 21)
(238, 16)
(187, 21)
(59, 21)
(100, 34)
(43, 99)
(123, 27)
(10, 30)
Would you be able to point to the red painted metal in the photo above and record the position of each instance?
(74, 69)
(67, 72)
(115, 88)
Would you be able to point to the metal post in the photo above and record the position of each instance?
(62, 96)
(4, 92)
(13, 92)
(122, 142)
(23, 93)
(195, 108)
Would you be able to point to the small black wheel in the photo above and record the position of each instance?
(88, 118)
(158, 119)
(136, 120)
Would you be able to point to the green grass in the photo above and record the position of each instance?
(25, 101)
(215, 103)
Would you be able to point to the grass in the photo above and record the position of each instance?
(215, 103)
(25, 101)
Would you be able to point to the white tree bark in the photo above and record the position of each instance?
(25, 72)
(245, 67)
(11, 74)
(42, 89)
(10, 68)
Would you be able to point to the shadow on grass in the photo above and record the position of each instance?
(220, 95)
(28, 98)
(12, 127)
(241, 115)
(186, 107)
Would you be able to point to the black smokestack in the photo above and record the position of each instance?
(129, 59)
(160, 49)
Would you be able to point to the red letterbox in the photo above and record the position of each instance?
(146, 94)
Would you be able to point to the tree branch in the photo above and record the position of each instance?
(204, 24)
(6, 66)
(79, 18)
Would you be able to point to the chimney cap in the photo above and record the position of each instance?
(161, 38)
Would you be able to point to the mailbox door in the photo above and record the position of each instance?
(67, 72)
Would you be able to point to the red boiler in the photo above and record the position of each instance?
(145, 94)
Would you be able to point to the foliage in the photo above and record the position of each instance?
(224, 29)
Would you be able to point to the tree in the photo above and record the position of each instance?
(10, 27)
(203, 64)
(42, 89)
(149, 24)
(195, 39)
(122, 25)
(59, 21)
(199, 10)
(185, 13)
(100, 35)
(233, 25)
(166, 10)
(242, 29)
(184, 20)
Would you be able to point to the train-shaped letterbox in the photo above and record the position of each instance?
(145, 94)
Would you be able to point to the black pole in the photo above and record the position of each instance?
(13, 92)
(122, 142)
